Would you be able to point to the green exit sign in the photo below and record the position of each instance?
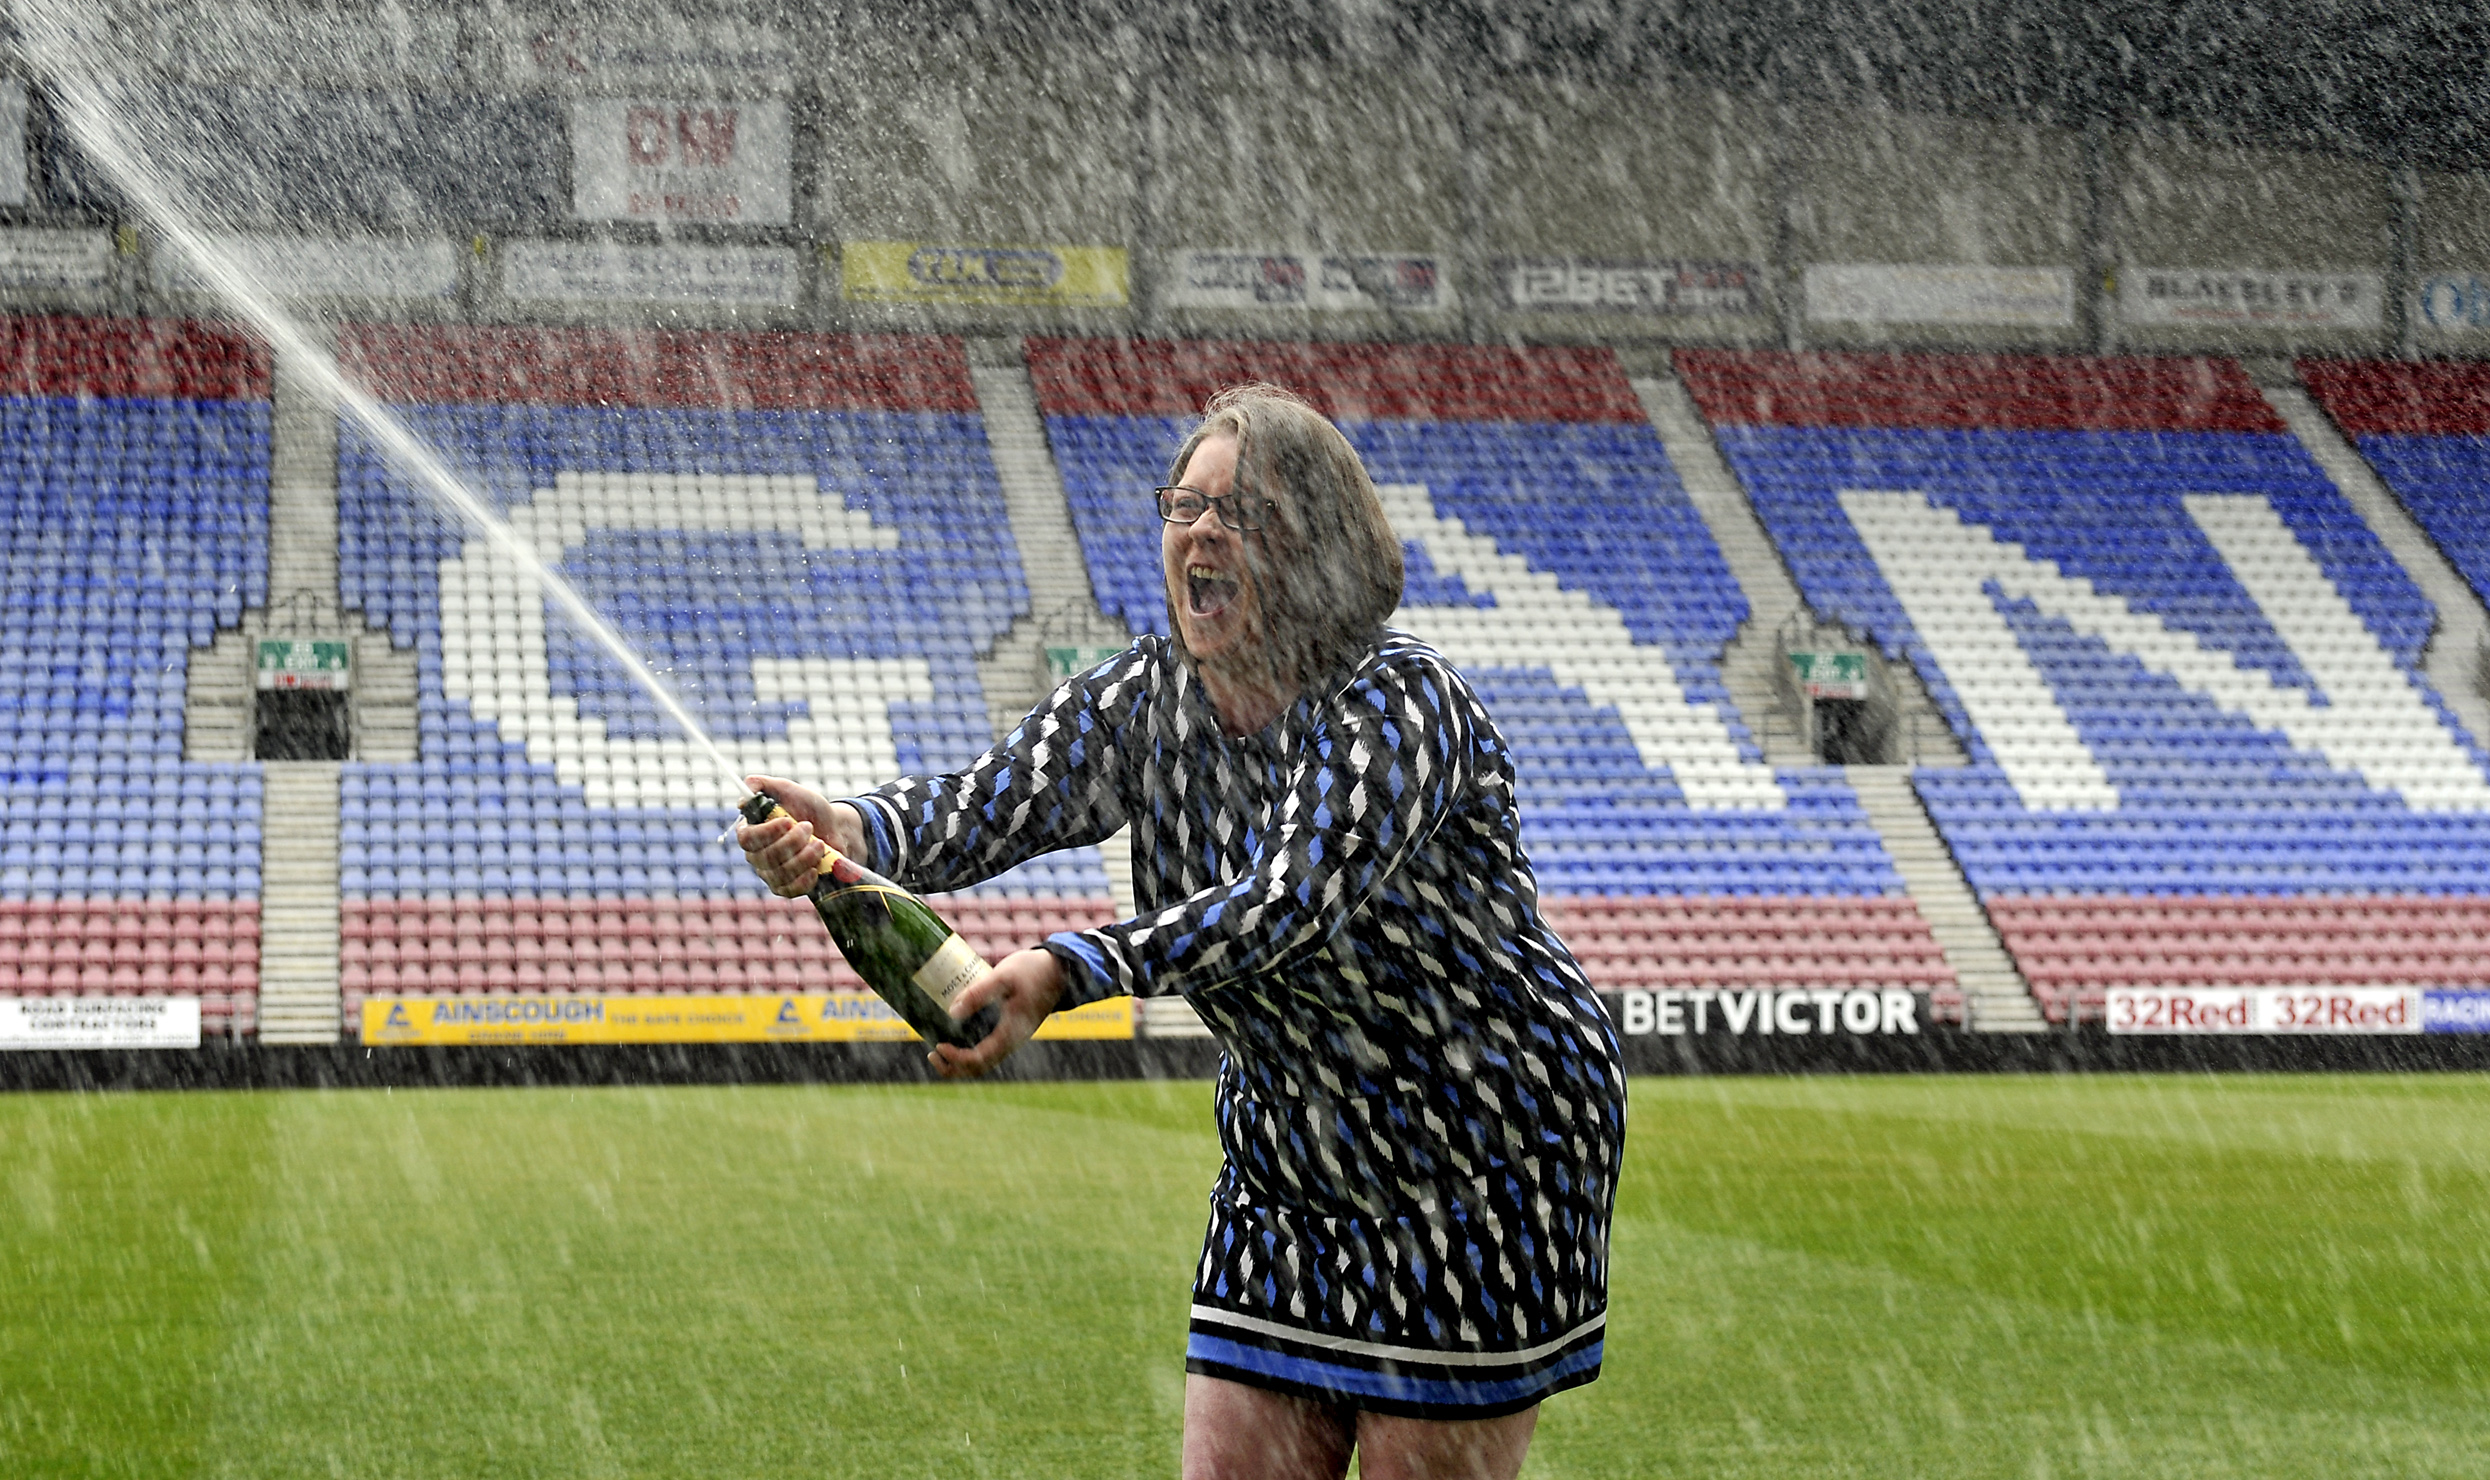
(1831, 675)
(1064, 662)
(293, 663)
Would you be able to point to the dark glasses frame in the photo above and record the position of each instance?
(1178, 504)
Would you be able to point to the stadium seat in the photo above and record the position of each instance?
(2425, 427)
(1553, 555)
(798, 531)
(134, 515)
(2203, 750)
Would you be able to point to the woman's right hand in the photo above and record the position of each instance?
(787, 851)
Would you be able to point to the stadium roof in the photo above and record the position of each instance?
(2394, 83)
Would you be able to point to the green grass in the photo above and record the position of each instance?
(2027, 1277)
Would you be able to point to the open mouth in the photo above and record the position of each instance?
(1208, 592)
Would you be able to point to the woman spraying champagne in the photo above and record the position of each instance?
(1419, 1095)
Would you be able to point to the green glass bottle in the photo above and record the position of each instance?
(906, 953)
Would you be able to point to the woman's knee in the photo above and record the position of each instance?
(1236, 1432)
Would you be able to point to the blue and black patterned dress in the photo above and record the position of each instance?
(1420, 1097)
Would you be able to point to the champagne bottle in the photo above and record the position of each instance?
(904, 951)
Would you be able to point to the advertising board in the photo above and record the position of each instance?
(1763, 1012)
(942, 272)
(653, 51)
(2267, 1009)
(1641, 288)
(668, 160)
(98, 1022)
(1954, 293)
(1322, 281)
(670, 272)
(375, 267)
(565, 1018)
(2466, 1011)
(2452, 304)
(2308, 299)
(55, 259)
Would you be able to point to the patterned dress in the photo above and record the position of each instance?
(1419, 1095)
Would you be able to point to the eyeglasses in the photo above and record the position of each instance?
(1181, 505)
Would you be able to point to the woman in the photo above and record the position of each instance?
(1419, 1096)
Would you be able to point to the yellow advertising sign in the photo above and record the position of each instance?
(944, 272)
(566, 1018)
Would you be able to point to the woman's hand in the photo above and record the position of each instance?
(1026, 985)
(787, 851)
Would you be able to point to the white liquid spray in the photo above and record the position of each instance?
(67, 62)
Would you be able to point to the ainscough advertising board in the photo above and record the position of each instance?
(568, 1018)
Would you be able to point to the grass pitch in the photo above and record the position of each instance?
(2233, 1276)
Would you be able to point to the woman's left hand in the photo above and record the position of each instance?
(1025, 985)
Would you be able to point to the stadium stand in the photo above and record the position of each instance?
(799, 531)
(1554, 556)
(134, 473)
(2425, 426)
(2187, 674)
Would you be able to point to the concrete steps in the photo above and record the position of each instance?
(302, 577)
(2458, 657)
(1751, 666)
(298, 929)
(1997, 998)
(298, 953)
(1063, 612)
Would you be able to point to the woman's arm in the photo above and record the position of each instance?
(1051, 783)
(1371, 782)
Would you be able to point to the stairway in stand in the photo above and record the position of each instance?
(298, 933)
(2459, 651)
(1063, 612)
(1996, 997)
(1751, 664)
(298, 826)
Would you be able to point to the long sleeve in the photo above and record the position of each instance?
(1051, 783)
(1373, 772)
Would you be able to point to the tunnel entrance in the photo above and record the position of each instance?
(1853, 732)
(300, 725)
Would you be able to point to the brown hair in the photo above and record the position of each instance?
(1328, 566)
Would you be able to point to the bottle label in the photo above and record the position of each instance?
(948, 971)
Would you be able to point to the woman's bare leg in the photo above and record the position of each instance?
(1235, 1432)
(1391, 1448)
